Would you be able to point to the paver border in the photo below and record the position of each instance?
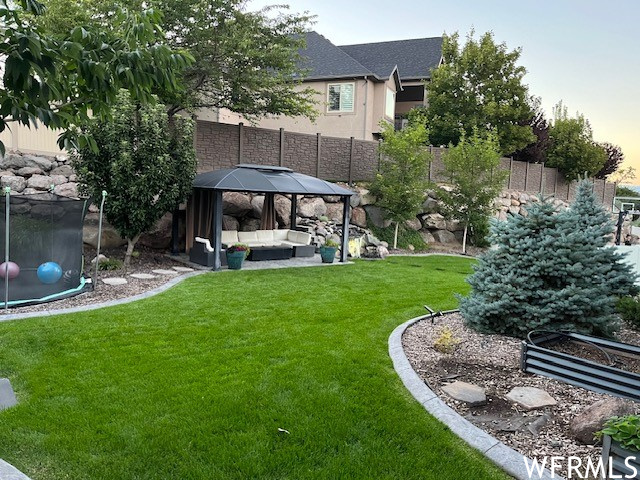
(9, 472)
(503, 456)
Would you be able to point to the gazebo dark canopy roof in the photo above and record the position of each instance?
(266, 179)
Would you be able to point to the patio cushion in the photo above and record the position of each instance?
(229, 237)
(265, 236)
(279, 235)
(299, 237)
(245, 237)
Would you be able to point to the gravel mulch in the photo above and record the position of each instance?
(147, 261)
(492, 362)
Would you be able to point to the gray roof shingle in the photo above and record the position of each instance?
(415, 58)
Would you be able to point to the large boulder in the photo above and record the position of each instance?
(430, 205)
(16, 161)
(454, 226)
(334, 212)
(236, 204)
(427, 237)
(58, 179)
(257, 204)
(359, 217)
(413, 224)
(249, 224)
(444, 236)
(16, 183)
(584, 426)
(64, 170)
(159, 237)
(110, 237)
(40, 182)
(28, 171)
(376, 215)
(354, 200)
(283, 210)
(312, 207)
(67, 190)
(434, 220)
(230, 223)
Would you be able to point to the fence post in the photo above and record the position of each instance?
(555, 183)
(240, 140)
(281, 157)
(511, 172)
(318, 152)
(430, 162)
(526, 176)
(351, 160)
(542, 179)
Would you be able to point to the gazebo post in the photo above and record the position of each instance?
(175, 232)
(217, 229)
(294, 210)
(345, 228)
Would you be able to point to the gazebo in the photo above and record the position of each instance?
(204, 210)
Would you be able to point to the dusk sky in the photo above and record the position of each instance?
(585, 53)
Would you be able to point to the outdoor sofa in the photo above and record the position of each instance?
(300, 242)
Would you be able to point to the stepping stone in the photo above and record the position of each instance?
(7, 397)
(162, 271)
(466, 392)
(530, 398)
(143, 276)
(114, 281)
(183, 269)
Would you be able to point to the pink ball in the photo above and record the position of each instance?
(13, 270)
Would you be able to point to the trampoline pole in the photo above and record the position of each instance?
(7, 210)
(95, 275)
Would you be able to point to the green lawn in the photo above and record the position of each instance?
(196, 382)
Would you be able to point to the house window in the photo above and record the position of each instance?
(340, 97)
(390, 104)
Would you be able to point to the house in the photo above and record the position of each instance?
(358, 86)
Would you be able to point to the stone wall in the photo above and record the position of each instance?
(28, 174)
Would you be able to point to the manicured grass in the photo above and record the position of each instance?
(196, 382)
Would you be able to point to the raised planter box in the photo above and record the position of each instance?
(613, 453)
(594, 376)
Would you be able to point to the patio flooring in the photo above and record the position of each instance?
(294, 262)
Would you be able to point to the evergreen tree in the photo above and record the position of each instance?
(550, 271)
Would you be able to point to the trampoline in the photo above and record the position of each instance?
(43, 246)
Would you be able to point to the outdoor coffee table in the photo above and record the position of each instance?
(279, 252)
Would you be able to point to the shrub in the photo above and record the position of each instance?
(550, 271)
(331, 244)
(446, 341)
(629, 310)
(624, 430)
(110, 264)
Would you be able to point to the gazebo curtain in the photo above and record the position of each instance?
(268, 217)
(199, 216)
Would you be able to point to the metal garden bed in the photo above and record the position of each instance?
(598, 377)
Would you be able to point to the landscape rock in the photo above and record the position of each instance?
(354, 200)
(382, 251)
(283, 210)
(359, 217)
(230, 223)
(17, 161)
(466, 392)
(454, 226)
(114, 281)
(159, 237)
(101, 258)
(143, 276)
(434, 220)
(334, 212)
(444, 236)
(58, 179)
(16, 183)
(430, 205)
(40, 182)
(64, 170)
(427, 237)
(530, 398)
(312, 207)
(67, 190)
(28, 171)
(110, 237)
(236, 204)
(376, 215)
(366, 198)
(413, 224)
(257, 204)
(249, 225)
(592, 419)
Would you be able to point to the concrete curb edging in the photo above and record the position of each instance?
(120, 301)
(9, 472)
(503, 456)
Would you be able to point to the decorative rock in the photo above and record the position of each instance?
(354, 200)
(376, 215)
(162, 271)
(250, 225)
(365, 196)
(58, 179)
(16, 183)
(64, 170)
(454, 226)
(230, 223)
(538, 424)
(283, 210)
(18, 161)
(28, 171)
(382, 251)
(67, 190)
(101, 258)
(40, 182)
(427, 237)
(502, 216)
(236, 204)
(7, 397)
(143, 276)
(334, 212)
(331, 198)
(413, 224)
(515, 202)
(359, 217)
(592, 418)
(444, 236)
(430, 205)
(110, 237)
(514, 210)
(183, 269)
(257, 204)
(312, 207)
(434, 220)
(114, 281)
(466, 392)
(530, 398)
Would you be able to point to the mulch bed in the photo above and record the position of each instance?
(493, 362)
(145, 262)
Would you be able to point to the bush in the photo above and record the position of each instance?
(550, 271)
(110, 264)
(629, 310)
(624, 430)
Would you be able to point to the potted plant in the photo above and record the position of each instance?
(621, 445)
(328, 251)
(236, 254)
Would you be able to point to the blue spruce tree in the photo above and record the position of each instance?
(550, 271)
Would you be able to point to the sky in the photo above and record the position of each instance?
(585, 53)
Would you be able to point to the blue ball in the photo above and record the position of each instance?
(49, 272)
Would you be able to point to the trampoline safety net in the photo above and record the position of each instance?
(45, 248)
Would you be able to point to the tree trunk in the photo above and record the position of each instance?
(464, 239)
(395, 236)
(131, 243)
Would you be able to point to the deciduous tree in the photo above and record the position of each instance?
(614, 160)
(479, 85)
